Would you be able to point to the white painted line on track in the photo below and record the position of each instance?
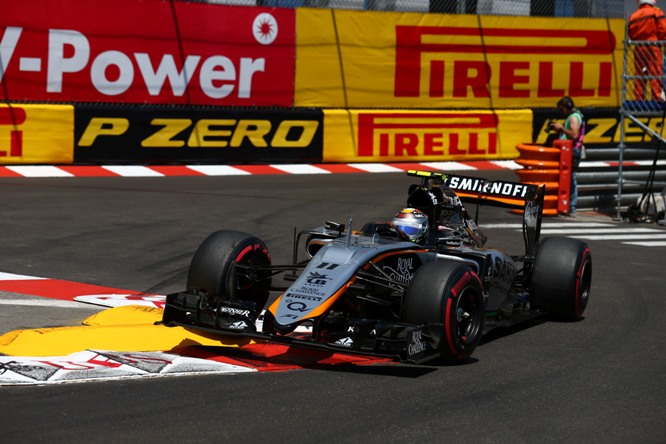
(376, 168)
(449, 166)
(39, 171)
(300, 169)
(620, 237)
(218, 170)
(597, 231)
(647, 244)
(132, 171)
(547, 225)
(507, 164)
(572, 231)
(53, 303)
(17, 277)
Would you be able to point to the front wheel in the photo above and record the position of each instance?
(562, 277)
(214, 269)
(448, 293)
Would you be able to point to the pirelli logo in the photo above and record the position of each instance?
(36, 133)
(427, 134)
(445, 61)
(11, 119)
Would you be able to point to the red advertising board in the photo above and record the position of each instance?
(128, 51)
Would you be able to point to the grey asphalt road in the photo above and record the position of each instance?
(598, 380)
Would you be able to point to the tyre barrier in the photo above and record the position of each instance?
(549, 166)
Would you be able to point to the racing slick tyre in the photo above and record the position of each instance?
(448, 293)
(213, 268)
(562, 277)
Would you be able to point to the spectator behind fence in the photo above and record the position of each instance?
(648, 24)
(572, 129)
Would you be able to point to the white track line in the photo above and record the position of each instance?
(376, 168)
(39, 171)
(132, 171)
(300, 169)
(53, 303)
(218, 170)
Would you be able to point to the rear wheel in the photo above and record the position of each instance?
(448, 293)
(214, 268)
(562, 277)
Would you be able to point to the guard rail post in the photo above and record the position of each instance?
(540, 167)
(565, 172)
(549, 166)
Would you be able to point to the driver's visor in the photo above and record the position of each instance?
(409, 230)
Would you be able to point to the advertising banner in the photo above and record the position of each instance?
(36, 134)
(602, 128)
(408, 60)
(152, 134)
(129, 51)
(419, 136)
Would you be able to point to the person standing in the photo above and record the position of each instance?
(648, 24)
(572, 129)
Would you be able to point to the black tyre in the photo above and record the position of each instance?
(213, 268)
(562, 277)
(448, 293)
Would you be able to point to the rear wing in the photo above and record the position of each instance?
(500, 193)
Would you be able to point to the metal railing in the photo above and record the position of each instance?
(599, 176)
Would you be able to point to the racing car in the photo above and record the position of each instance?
(381, 291)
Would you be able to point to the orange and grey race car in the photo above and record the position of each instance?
(383, 290)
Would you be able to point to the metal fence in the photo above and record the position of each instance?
(643, 78)
(541, 8)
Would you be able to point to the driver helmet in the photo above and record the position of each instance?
(648, 2)
(412, 222)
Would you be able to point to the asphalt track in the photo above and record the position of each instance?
(598, 380)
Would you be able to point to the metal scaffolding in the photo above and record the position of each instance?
(643, 95)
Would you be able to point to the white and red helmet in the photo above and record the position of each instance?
(412, 222)
(647, 2)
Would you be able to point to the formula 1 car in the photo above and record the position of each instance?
(375, 292)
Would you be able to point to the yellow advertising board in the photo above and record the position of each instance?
(408, 60)
(420, 136)
(33, 134)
